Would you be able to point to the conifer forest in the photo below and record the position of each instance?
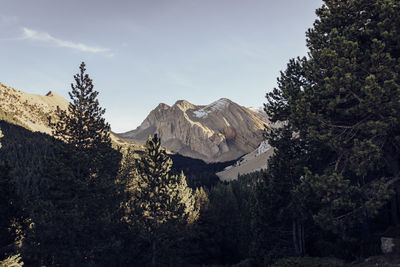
(330, 193)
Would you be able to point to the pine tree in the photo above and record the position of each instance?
(278, 209)
(83, 125)
(84, 128)
(345, 96)
(12, 261)
(95, 166)
(353, 104)
(201, 199)
(76, 213)
(186, 196)
(162, 200)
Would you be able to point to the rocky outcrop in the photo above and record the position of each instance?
(220, 131)
(390, 245)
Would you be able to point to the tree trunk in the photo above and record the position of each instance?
(303, 242)
(365, 227)
(294, 234)
(298, 238)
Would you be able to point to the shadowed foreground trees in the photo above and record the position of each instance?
(342, 102)
(351, 103)
(76, 211)
(6, 209)
(10, 210)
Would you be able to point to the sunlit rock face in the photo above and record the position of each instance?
(220, 131)
(33, 111)
(30, 110)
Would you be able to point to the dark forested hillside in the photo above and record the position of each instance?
(198, 172)
(27, 153)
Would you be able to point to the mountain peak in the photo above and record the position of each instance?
(162, 106)
(184, 105)
(220, 103)
(182, 101)
(215, 106)
(223, 99)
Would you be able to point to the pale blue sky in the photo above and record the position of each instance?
(143, 52)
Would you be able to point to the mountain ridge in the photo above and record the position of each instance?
(33, 110)
(218, 132)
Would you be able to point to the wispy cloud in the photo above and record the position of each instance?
(45, 37)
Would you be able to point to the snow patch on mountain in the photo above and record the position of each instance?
(257, 109)
(214, 106)
(264, 146)
(200, 113)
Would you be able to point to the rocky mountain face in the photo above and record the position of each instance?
(220, 131)
(29, 110)
(32, 111)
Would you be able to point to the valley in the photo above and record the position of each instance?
(310, 179)
(220, 132)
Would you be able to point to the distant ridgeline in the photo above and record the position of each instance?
(11, 118)
(31, 112)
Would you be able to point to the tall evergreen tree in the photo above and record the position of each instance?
(345, 96)
(85, 129)
(352, 104)
(162, 201)
(76, 214)
(285, 233)
(83, 125)
(201, 199)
